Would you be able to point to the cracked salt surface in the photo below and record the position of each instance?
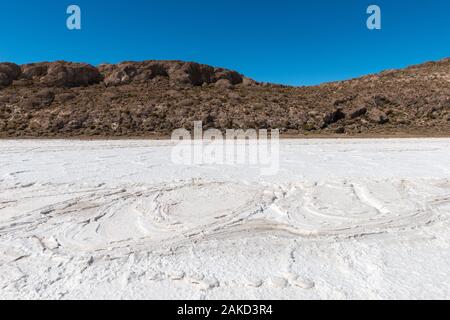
(116, 219)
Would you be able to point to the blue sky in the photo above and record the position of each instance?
(284, 41)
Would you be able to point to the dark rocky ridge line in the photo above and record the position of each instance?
(69, 74)
(65, 99)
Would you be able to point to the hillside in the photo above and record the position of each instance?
(63, 99)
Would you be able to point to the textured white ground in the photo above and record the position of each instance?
(342, 219)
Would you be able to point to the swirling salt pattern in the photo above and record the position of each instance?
(102, 219)
(354, 208)
(179, 213)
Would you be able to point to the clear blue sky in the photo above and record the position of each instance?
(284, 41)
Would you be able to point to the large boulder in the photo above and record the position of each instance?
(71, 75)
(191, 73)
(177, 72)
(34, 70)
(358, 112)
(232, 76)
(123, 74)
(128, 72)
(333, 117)
(8, 73)
(62, 74)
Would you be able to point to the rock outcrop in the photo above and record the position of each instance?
(8, 73)
(179, 73)
(62, 74)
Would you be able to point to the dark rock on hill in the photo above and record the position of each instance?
(177, 72)
(64, 99)
(8, 73)
(61, 74)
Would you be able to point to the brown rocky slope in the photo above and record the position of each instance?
(63, 99)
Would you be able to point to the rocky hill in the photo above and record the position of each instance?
(64, 99)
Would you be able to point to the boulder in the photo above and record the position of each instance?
(232, 76)
(340, 130)
(34, 70)
(127, 72)
(191, 73)
(377, 116)
(380, 100)
(178, 72)
(357, 112)
(8, 73)
(62, 74)
(247, 82)
(332, 117)
(223, 84)
(119, 77)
